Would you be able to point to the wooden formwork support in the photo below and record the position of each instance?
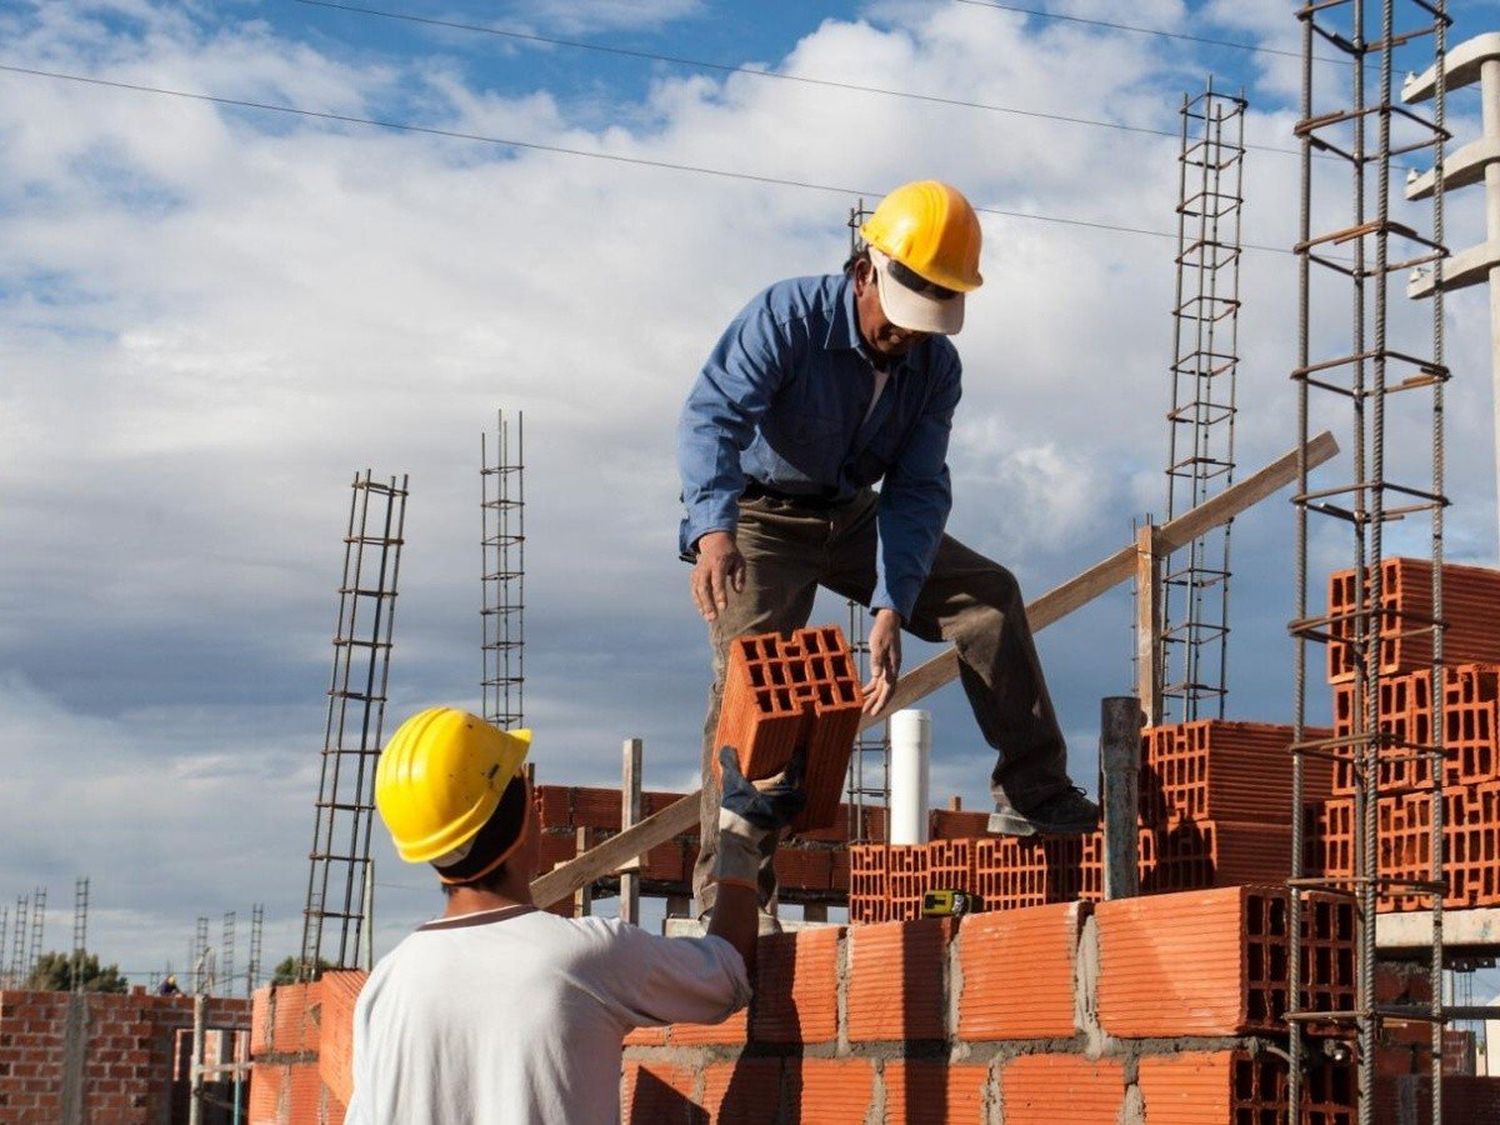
(680, 816)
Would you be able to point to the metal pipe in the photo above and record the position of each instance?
(1120, 756)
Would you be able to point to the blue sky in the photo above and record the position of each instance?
(212, 316)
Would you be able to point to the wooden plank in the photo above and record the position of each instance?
(1120, 759)
(682, 815)
(1148, 624)
(630, 812)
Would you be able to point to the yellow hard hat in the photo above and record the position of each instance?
(930, 229)
(441, 777)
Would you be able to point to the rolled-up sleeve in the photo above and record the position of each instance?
(916, 497)
(731, 394)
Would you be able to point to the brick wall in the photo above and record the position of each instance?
(1164, 1006)
(123, 1061)
(302, 1042)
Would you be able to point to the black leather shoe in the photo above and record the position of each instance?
(1068, 813)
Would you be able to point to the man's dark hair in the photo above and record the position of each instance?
(860, 255)
(498, 835)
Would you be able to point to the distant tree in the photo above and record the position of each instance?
(54, 973)
(287, 971)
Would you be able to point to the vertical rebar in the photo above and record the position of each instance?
(257, 933)
(19, 941)
(1359, 254)
(362, 644)
(226, 955)
(1204, 367)
(80, 932)
(38, 926)
(502, 503)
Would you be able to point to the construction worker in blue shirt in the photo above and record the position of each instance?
(820, 388)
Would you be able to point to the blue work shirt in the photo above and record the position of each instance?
(783, 398)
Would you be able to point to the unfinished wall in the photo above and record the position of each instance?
(100, 1057)
(302, 1043)
(1162, 1010)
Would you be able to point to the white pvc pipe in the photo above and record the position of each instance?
(911, 746)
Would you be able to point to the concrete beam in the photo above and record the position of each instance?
(1464, 63)
(1473, 931)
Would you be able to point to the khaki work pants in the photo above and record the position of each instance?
(969, 601)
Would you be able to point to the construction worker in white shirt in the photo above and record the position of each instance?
(498, 1012)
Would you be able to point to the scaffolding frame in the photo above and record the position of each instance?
(1351, 266)
(1200, 431)
(352, 739)
(18, 943)
(199, 961)
(502, 505)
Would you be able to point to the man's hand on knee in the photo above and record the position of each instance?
(885, 660)
(720, 568)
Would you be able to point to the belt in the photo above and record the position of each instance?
(812, 502)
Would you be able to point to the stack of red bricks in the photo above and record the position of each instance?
(1167, 1008)
(1216, 808)
(1404, 713)
(302, 1048)
(117, 1058)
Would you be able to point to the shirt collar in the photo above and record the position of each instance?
(843, 326)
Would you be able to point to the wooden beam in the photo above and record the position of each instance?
(1057, 603)
(630, 812)
(1148, 623)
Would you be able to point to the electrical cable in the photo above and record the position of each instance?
(562, 150)
(1237, 45)
(727, 68)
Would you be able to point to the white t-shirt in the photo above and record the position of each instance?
(515, 1015)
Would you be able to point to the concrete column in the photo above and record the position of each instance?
(1489, 102)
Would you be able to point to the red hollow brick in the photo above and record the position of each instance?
(782, 694)
(895, 984)
(744, 1092)
(995, 1001)
(266, 1083)
(730, 1032)
(653, 1092)
(918, 1091)
(869, 883)
(1214, 962)
(1048, 1089)
(831, 1091)
(796, 999)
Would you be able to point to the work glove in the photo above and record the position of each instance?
(750, 811)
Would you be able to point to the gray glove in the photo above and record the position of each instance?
(748, 813)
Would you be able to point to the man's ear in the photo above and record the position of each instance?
(863, 269)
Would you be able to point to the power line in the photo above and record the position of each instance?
(562, 150)
(1236, 44)
(727, 68)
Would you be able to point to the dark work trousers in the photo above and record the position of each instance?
(969, 601)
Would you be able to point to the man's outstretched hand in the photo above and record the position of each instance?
(719, 569)
(885, 660)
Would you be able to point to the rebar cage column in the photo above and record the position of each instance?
(1205, 362)
(1351, 123)
(503, 570)
(356, 717)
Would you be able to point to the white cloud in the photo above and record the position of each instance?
(208, 318)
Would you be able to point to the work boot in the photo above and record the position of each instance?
(1068, 813)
